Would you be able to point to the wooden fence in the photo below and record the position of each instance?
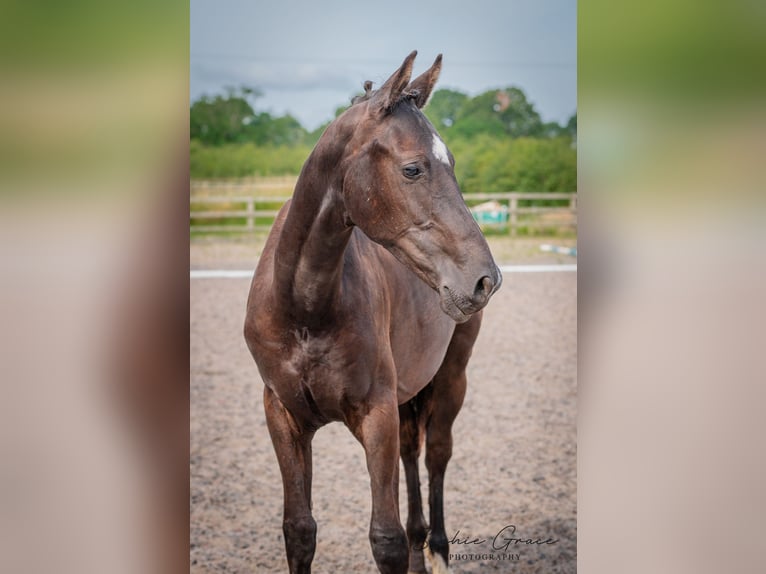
(512, 213)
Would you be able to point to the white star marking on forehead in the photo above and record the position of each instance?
(440, 150)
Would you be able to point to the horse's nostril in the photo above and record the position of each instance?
(484, 287)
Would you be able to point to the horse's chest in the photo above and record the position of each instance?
(311, 359)
(315, 376)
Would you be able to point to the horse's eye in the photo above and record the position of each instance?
(411, 171)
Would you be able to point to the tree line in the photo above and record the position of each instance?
(498, 139)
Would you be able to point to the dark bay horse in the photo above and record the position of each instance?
(364, 309)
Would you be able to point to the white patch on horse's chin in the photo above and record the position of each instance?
(437, 563)
(440, 150)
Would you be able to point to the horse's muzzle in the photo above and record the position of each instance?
(460, 307)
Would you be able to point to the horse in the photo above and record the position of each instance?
(364, 309)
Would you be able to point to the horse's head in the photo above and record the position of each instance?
(399, 188)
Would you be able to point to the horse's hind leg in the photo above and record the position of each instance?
(449, 387)
(293, 449)
(412, 417)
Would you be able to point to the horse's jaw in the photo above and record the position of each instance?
(457, 303)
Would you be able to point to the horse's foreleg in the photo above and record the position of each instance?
(448, 392)
(293, 449)
(411, 431)
(378, 431)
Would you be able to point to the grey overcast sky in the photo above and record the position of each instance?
(309, 57)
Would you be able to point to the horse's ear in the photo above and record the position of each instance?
(425, 82)
(390, 92)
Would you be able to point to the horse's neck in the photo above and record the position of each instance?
(309, 255)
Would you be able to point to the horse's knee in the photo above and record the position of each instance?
(304, 528)
(300, 539)
(389, 547)
(438, 453)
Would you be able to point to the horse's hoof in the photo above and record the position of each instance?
(438, 566)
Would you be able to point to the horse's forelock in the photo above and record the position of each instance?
(407, 95)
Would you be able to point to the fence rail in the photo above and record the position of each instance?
(508, 212)
(247, 185)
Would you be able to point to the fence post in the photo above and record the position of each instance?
(512, 207)
(573, 208)
(251, 214)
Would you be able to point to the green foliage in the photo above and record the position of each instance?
(571, 127)
(501, 144)
(443, 107)
(220, 120)
(491, 165)
(244, 160)
(281, 131)
(498, 113)
(231, 119)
